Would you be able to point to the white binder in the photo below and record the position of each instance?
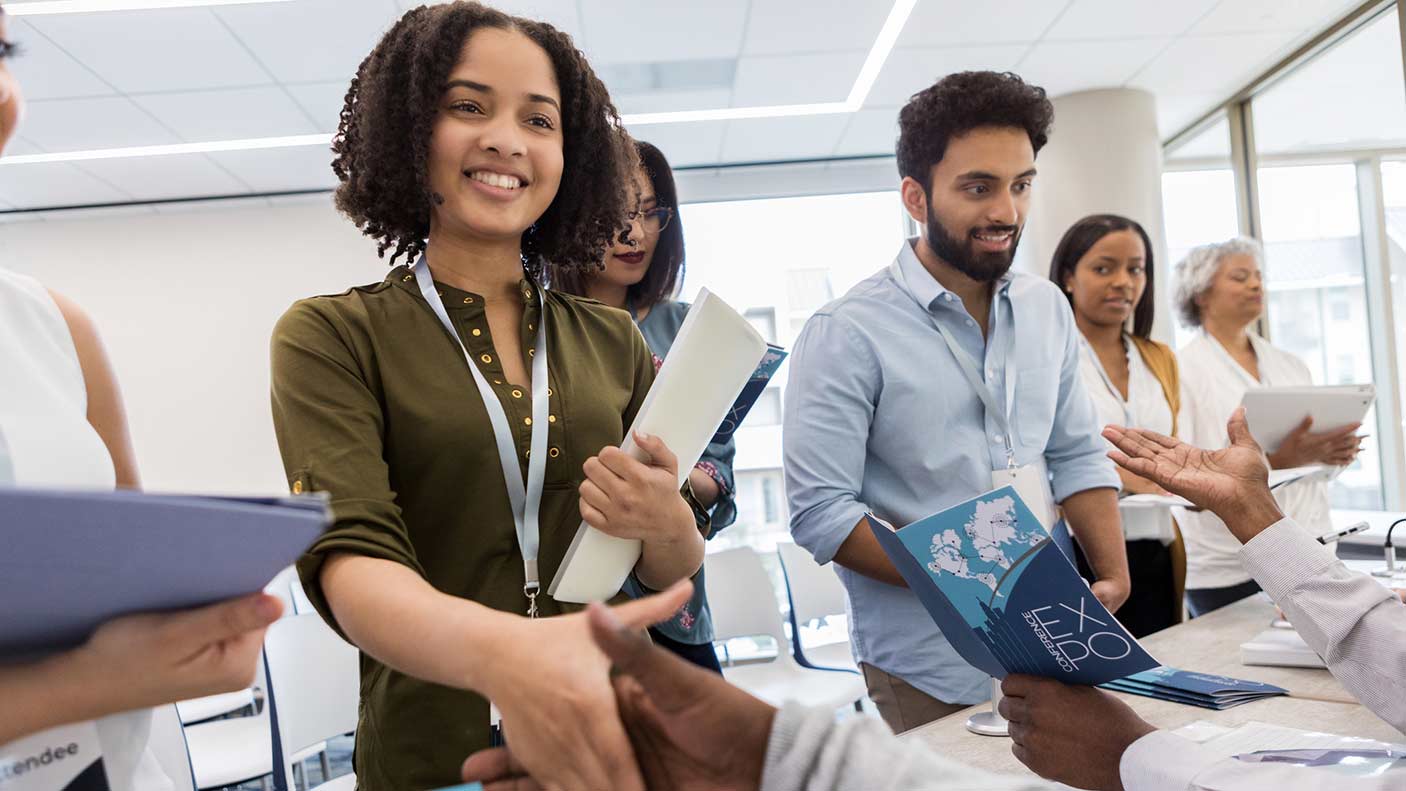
(708, 364)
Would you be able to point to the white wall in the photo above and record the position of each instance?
(186, 298)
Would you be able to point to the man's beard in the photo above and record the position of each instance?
(981, 267)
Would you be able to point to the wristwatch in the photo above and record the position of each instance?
(701, 517)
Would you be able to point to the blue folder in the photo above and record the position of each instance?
(71, 560)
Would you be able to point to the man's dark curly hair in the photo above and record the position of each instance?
(959, 103)
(382, 143)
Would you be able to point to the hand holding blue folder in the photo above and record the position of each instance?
(70, 561)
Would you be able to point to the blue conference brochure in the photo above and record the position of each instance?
(74, 559)
(766, 369)
(1194, 689)
(1006, 597)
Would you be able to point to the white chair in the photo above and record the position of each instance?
(313, 692)
(816, 593)
(168, 744)
(231, 751)
(744, 605)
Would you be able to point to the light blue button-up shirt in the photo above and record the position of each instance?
(879, 418)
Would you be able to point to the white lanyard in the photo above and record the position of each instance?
(994, 407)
(1124, 403)
(525, 503)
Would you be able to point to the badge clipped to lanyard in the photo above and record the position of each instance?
(526, 503)
(1030, 481)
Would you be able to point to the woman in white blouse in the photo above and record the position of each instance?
(62, 425)
(1220, 290)
(1104, 265)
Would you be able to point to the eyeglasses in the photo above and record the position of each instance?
(654, 220)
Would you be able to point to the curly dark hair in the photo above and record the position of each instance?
(959, 103)
(382, 142)
(1082, 236)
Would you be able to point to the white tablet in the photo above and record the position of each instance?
(1274, 412)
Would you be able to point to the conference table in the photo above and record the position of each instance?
(1209, 644)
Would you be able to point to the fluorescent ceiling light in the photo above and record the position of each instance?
(873, 64)
(248, 144)
(878, 55)
(45, 7)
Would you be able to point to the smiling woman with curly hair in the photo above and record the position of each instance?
(464, 420)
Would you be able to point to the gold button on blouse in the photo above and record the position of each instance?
(477, 332)
(527, 420)
(531, 352)
(551, 418)
(554, 452)
(468, 300)
(408, 278)
(297, 487)
(487, 358)
(549, 392)
(517, 394)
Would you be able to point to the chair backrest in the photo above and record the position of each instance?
(816, 591)
(313, 688)
(167, 743)
(742, 598)
(281, 586)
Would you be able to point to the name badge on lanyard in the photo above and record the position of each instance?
(1031, 481)
(526, 502)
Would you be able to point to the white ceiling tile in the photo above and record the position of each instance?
(1066, 67)
(869, 132)
(795, 79)
(1204, 64)
(46, 71)
(54, 184)
(672, 101)
(1264, 16)
(630, 31)
(311, 40)
(780, 139)
(908, 71)
(230, 114)
(81, 124)
(19, 145)
(166, 50)
(779, 27)
(281, 169)
(165, 178)
(323, 101)
(1175, 111)
(936, 23)
(685, 144)
(1105, 19)
(560, 14)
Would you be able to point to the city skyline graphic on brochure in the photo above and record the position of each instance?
(1006, 597)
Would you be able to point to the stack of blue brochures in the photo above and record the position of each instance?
(1005, 596)
(72, 560)
(1194, 689)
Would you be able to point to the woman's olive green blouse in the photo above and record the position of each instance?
(373, 404)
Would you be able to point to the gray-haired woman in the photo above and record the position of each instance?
(1220, 290)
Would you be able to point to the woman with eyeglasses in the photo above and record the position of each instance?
(643, 272)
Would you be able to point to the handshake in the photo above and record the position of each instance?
(689, 728)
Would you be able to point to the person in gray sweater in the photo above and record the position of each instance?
(694, 731)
